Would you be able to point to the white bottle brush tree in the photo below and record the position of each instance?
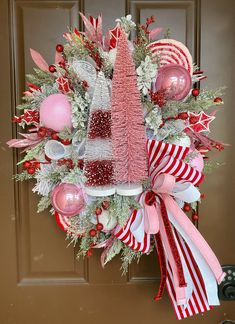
(98, 164)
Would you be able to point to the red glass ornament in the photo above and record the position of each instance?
(218, 99)
(52, 69)
(89, 253)
(98, 211)
(195, 92)
(195, 217)
(66, 141)
(99, 227)
(187, 207)
(105, 205)
(59, 48)
(183, 116)
(92, 232)
(31, 170)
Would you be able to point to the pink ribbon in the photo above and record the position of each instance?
(154, 223)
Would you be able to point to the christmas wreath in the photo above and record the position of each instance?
(116, 137)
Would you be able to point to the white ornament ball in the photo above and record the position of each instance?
(108, 222)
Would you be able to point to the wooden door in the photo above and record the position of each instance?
(40, 280)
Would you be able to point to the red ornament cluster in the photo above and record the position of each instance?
(31, 166)
(159, 97)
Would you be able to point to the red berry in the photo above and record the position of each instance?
(187, 207)
(218, 99)
(202, 196)
(54, 136)
(66, 141)
(195, 92)
(99, 227)
(59, 48)
(92, 232)
(183, 116)
(62, 64)
(98, 211)
(26, 165)
(42, 132)
(31, 170)
(195, 217)
(52, 69)
(36, 165)
(89, 253)
(105, 205)
(193, 120)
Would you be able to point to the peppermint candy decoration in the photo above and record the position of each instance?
(62, 221)
(171, 51)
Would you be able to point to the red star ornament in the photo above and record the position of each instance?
(199, 122)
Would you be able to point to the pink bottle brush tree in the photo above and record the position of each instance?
(128, 131)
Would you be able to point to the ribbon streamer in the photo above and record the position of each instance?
(189, 268)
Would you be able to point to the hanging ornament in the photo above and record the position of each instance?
(175, 80)
(169, 51)
(199, 122)
(68, 199)
(55, 112)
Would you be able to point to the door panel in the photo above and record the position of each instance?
(41, 281)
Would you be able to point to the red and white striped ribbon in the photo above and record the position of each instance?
(198, 301)
(124, 234)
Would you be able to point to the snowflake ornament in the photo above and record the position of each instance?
(199, 122)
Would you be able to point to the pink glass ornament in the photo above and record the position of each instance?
(55, 112)
(175, 80)
(68, 199)
(197, 162)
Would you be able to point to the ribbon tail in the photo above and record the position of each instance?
(196, 237)
(162, 262)
(173, 256)
(206, 273)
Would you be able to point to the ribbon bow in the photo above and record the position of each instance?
(189, 268)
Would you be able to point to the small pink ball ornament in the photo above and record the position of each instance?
(55, 112)
(197, 162)
(68, 199)
(175, 80)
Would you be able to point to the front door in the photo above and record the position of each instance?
(41, 282)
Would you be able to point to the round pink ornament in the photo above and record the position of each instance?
(197, 162)
(68, 199)
(175, 80)
(55, 112)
